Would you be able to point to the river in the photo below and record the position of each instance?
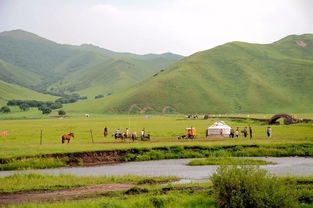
(293, 166)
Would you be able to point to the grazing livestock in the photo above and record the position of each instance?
(67, 137)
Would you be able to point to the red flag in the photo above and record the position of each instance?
(4, 133)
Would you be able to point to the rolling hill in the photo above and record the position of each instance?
(236, 77)
(11, 91)
(42, 65)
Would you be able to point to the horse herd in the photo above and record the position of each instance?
(122, 136)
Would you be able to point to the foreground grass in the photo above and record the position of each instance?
(170, 196)
(39, 182)
(172, 200)
(34, 163)
(228, 161)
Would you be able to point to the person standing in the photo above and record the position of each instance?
(237, 132)
(105, 132)
(250, 132)
(143, 133)
(245, 132)
(269, 132)
(232, 132)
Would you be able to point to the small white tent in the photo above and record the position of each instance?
(218, 129)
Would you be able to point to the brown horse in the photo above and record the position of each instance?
(67, 137)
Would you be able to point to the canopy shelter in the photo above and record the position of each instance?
(218, 129)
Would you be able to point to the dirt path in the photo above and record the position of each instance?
(53, 196)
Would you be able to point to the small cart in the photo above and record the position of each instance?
(190, 134)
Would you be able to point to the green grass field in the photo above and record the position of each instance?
(24, 140)
(32, 181)
(24, 135)
(158, 195)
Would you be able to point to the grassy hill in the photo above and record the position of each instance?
(54, 68)
(11, 91)
(236, 77)
(13, 74)
(97, 49)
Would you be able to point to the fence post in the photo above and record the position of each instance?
(91, 136)
(41, 137)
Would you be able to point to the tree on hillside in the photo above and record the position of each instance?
(55, 105)
(61, 112)
(99, 96)
(5, 109)
(24, 107)
(45, 110)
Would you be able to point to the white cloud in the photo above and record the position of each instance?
(180, 26)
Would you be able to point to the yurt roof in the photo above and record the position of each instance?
(219, 125)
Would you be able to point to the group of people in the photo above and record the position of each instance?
(236, 133)
(247, 132)
(118, 132)
(233, 133)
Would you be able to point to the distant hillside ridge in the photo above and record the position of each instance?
(236, 77)
(42, 65)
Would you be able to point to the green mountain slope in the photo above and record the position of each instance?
(12, 91)
(14, 74)
(97, 49)
(233, 78)
(54, 68)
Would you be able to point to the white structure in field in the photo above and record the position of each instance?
(218, 129)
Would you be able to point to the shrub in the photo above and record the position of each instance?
(246, 186)
(61, 112)
(99, 96)
(24, 107)
(130, 157)
(158, 202)
(45, 110)
(5, 109)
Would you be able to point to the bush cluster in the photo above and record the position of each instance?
(251, 187)
(99, 96)
(45, 106)
(70, 98)
(5, 109)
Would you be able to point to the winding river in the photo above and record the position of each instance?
(293, 166)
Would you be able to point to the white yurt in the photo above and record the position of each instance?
(218, 129)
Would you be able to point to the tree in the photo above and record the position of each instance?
(61, 112)
(55, 105)
(5, 109)
(24, 107)
(99, 96)
(45, 110)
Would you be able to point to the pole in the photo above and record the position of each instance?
(128, 121)
(91, 136)
(41, 137)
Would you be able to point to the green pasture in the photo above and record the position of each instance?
(24, 134)
(38, 182)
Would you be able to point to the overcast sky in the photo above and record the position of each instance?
(158, 26)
